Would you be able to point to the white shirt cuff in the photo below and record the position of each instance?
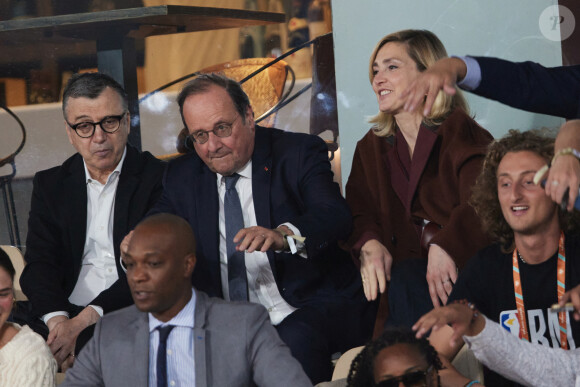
(50, 315)
(98, 309)
(472, 76)
(299, 245)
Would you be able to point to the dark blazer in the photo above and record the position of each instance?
(530, 86)
(448, 159)
(57, 229)
(235, 345)
(291, 182)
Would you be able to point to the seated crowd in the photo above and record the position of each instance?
(240, 263)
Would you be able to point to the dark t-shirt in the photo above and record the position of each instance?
(487, 281)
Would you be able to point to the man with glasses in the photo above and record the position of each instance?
(80, 212)
(267, 216)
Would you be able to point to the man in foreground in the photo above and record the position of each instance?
(175, 335)
(80, 212)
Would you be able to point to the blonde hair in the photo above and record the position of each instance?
(424, 48)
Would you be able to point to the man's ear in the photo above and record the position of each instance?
(250, 116)
(69, 134)
(190, 262)
(128, 117)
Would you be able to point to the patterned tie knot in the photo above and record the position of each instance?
(231, 181)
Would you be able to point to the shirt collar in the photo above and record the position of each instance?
(116, 171)
(245, 172)
(185, 317)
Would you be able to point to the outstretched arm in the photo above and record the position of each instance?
(502, 351)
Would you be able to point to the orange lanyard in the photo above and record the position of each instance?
(561, 287)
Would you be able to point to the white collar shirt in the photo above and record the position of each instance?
(262, 288)
(98, 270)
(180, 347)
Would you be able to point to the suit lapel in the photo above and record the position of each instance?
(261, 183)
(128, 183)
(140, 327)
(75, 194)
(423, 147)
(201, 347)
(207, 218)
(398, 176)
(261, 176)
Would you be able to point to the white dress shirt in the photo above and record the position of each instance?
(261, 283)
(180, 347)
(98, 270)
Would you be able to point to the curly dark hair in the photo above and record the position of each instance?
(361, 372)
(484, 198)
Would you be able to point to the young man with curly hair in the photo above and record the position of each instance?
(516, 280)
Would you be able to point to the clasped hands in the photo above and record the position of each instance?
(63, 333)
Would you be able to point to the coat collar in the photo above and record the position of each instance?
(406, 187)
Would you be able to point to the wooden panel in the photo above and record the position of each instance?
(15, 91)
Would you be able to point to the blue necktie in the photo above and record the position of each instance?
(237, 279)
(164, 332)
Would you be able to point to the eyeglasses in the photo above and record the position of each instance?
(109, 124)
(411, 379)
(221, 130)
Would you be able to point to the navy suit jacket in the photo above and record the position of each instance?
(532, 87)
(57, 229)
(291, 182)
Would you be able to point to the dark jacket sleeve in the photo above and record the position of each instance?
(462, 235)
(532, 87)
(326, 217)
(45, 277)
(361, 196)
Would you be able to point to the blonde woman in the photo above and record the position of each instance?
(410, 181)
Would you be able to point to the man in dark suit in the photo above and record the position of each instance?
(526, 85)
(209, 342)
(251, 242)
(81, 211)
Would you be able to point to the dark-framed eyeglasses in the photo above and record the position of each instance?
(410, 379)
(109, 124)
(222, 130)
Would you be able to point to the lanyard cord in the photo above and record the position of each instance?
(561, 288)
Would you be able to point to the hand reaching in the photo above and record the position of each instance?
(441, 76)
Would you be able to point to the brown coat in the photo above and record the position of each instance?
(448, 158)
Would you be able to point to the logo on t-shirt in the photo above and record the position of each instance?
(509, 321)
(543, 326)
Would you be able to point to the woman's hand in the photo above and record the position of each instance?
(459, 316)
(564, 175)
(572, 296)
(565, 169)
(375, 268)
(441, 275)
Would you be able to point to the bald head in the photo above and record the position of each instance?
(172, 225)
(160, 259)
